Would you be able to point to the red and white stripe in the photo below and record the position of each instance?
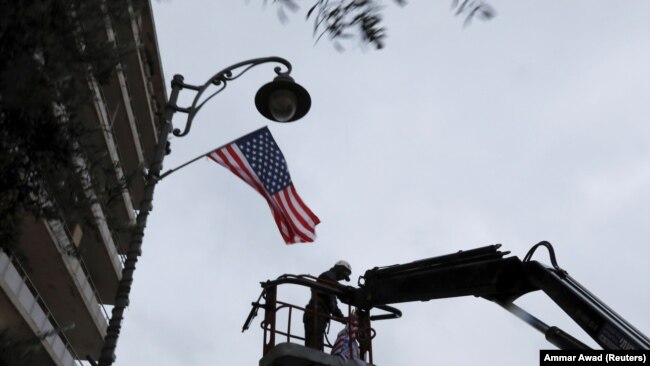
(296, 222)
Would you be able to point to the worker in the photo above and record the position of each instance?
(322, 305)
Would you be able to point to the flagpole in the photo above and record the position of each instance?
(183, 165)
(200, 156)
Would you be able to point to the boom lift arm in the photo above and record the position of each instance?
(487, 272)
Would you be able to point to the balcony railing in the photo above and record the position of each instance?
(79, 270)
(50, 333)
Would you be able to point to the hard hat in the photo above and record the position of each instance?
(345, 264)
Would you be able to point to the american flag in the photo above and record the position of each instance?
(257, 160)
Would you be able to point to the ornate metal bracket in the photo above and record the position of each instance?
(219, 80)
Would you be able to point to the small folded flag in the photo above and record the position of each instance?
(257, 159)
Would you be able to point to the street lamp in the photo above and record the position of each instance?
(281, 100)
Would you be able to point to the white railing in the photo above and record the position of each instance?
(22, 293)
(79, 273)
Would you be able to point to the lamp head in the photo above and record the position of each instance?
(283, 100)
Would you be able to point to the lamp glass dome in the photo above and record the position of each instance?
(282, 104)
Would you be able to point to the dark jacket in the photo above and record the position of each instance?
(325, 303)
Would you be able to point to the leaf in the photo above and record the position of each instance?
(487, 12)
(291, 5)
(282, 16)
(461, 7)
(311, 10)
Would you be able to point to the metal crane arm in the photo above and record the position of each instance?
(486, 272)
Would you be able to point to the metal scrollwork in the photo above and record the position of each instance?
(221, 80)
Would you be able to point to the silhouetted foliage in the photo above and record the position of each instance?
(14, 353)
(346, 19)
(23, 352)
(49, 48)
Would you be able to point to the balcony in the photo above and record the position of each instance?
(63, 281)
(99, 250)
(27, 318)
(127, 109)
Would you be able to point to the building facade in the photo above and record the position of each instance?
(56, 295)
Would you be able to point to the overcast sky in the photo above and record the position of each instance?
(533, 126)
